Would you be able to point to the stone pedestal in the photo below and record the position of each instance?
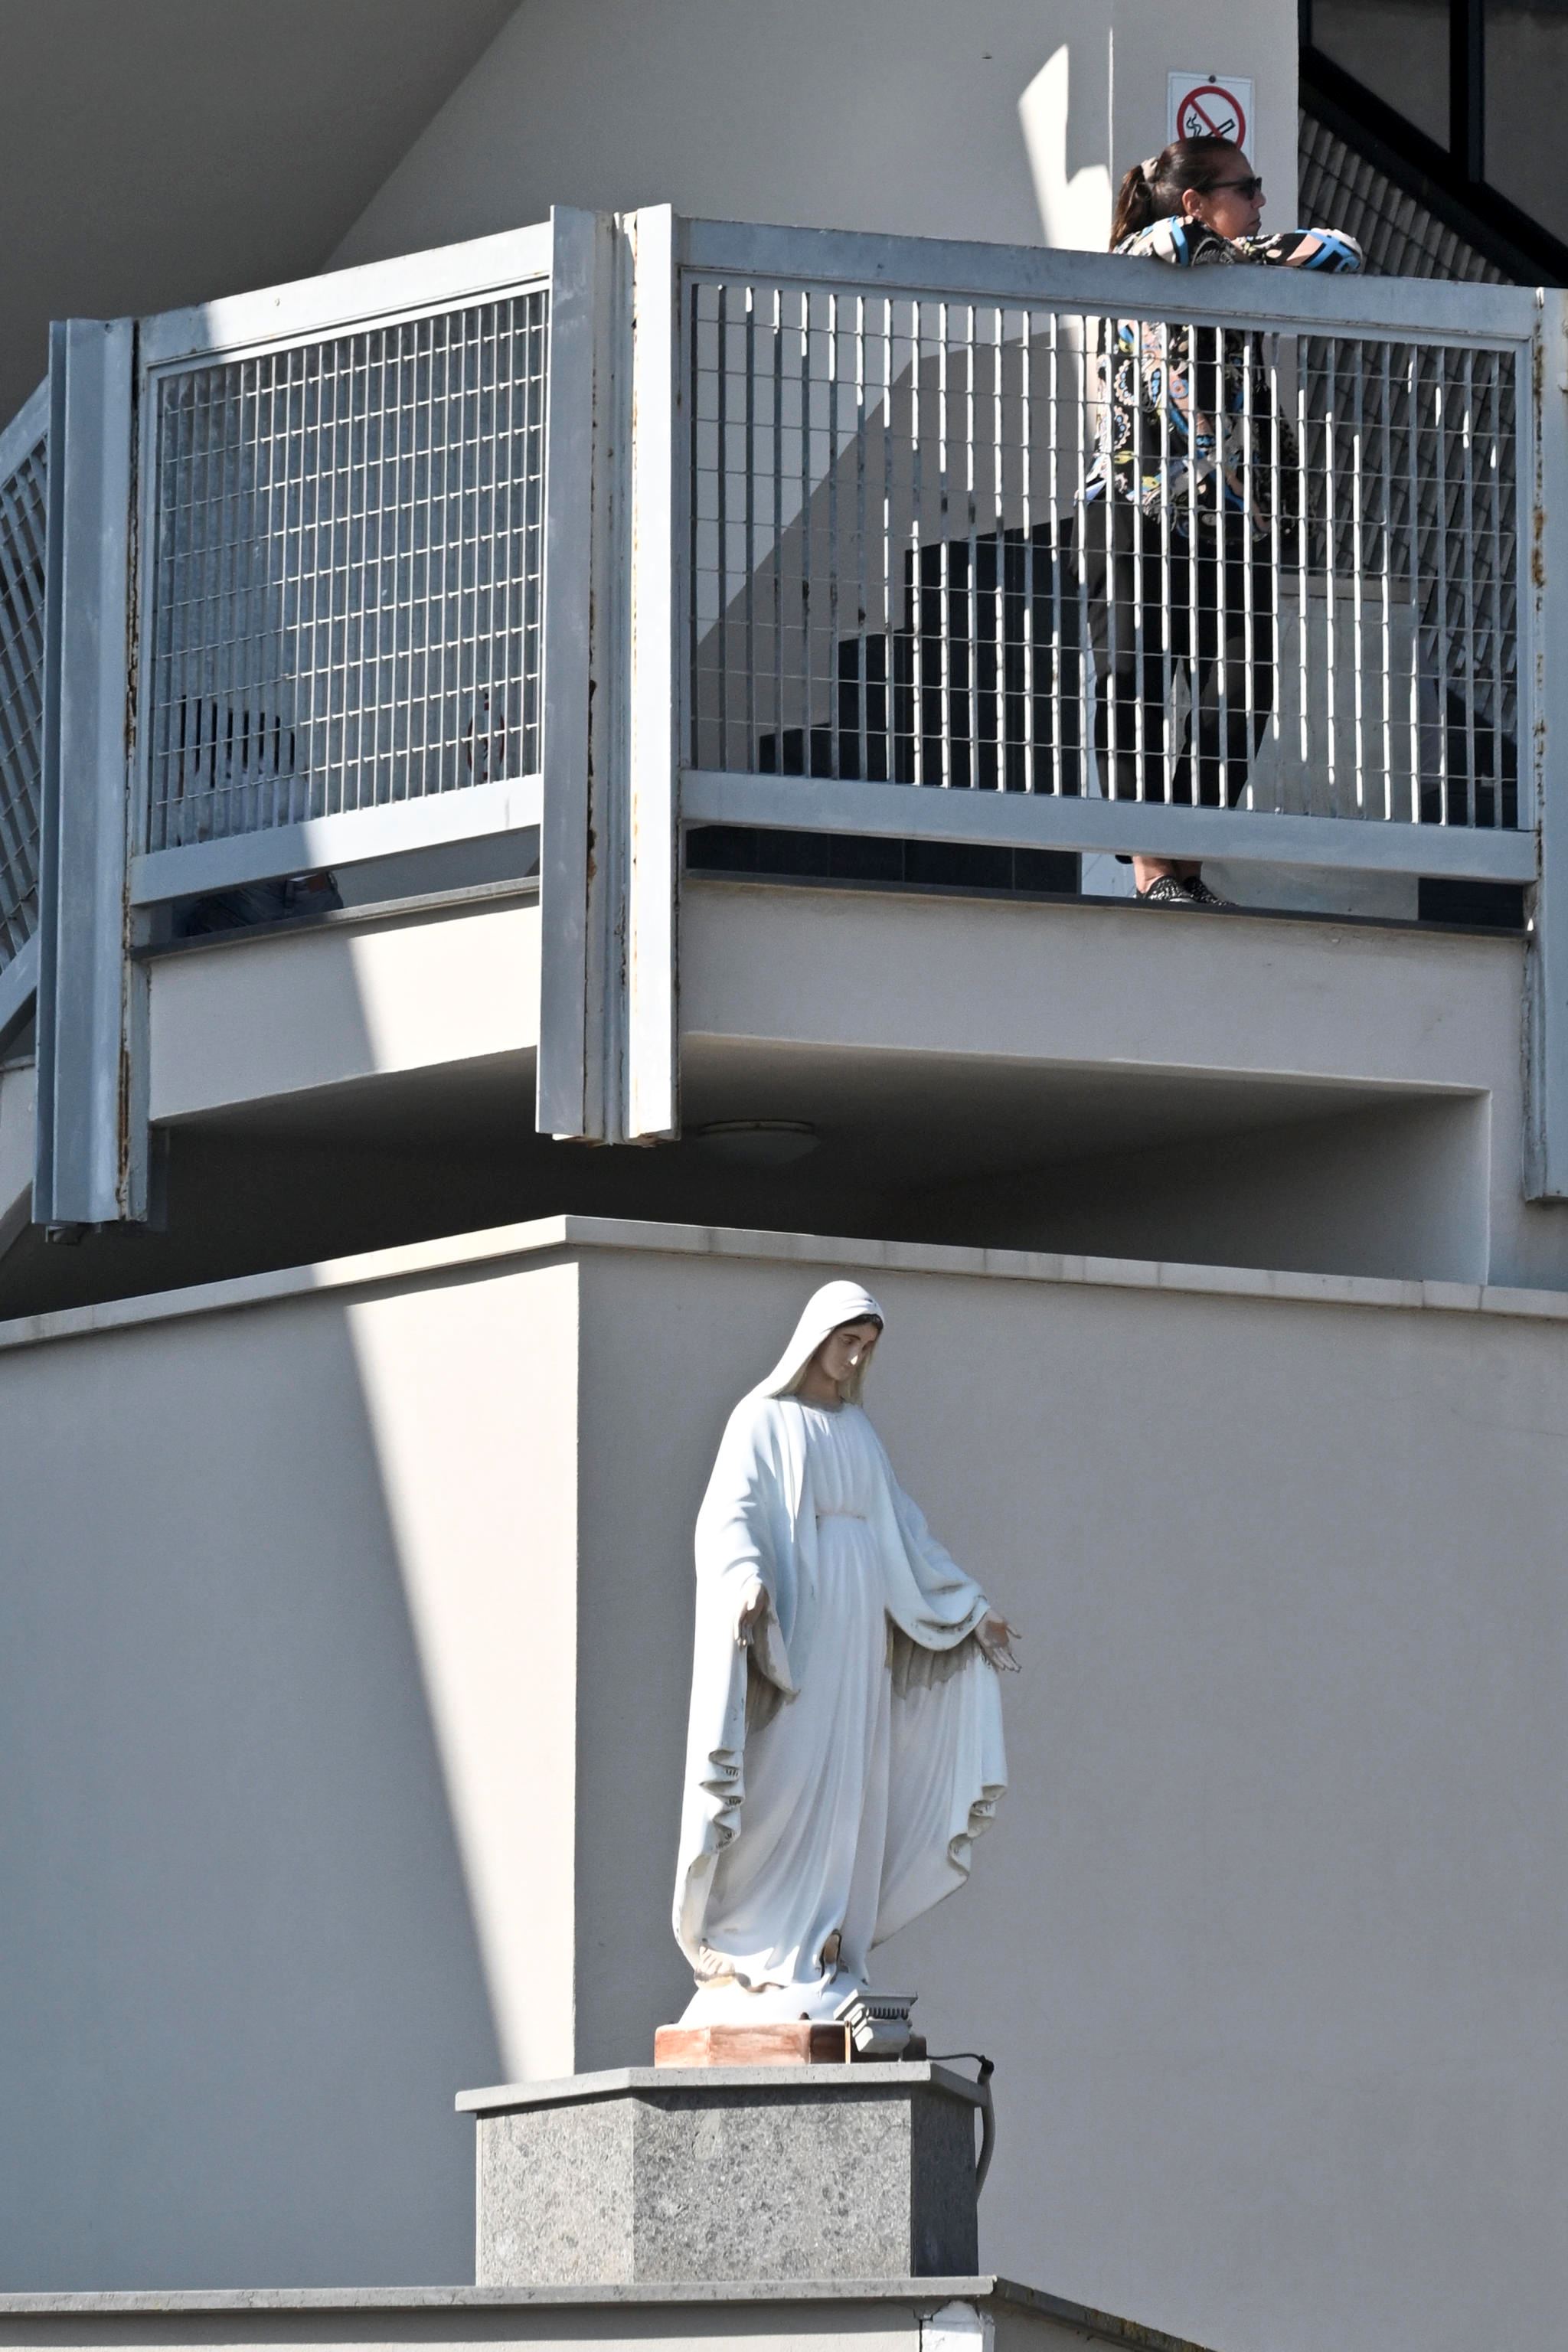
(860, 2172)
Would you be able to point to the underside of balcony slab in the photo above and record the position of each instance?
(1332, 1097)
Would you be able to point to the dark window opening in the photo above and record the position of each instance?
(1460, 99)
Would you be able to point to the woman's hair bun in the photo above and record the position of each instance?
(1154, 187)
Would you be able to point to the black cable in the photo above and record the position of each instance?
(987, 2105)
(945, 2057)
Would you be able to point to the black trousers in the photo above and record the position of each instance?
(1207, 611)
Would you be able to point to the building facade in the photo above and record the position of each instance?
(556, 789)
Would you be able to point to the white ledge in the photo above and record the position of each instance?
(544, 1236)
(548, 1236)
(280, 2303)
(620, 2082)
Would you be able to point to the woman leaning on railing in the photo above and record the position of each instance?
(1179, 512)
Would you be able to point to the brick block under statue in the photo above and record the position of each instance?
(710, 2173)
(869, 2026)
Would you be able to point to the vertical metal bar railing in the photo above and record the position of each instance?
(1412, 488)
(23, 491)
(346, 537)
(921, 549)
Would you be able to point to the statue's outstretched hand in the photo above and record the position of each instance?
(997, 1638)
(754, 1609)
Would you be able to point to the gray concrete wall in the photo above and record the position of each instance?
(1267, 1940)
(994, 121)
(240, 1022)
(344, 1673)
(1344, 1098)
(1387, 1021)
(269, 1893)
(1398, 1190)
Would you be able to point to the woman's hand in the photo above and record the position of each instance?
(754, 1609)
(997, 1638)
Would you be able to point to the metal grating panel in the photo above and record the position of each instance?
(899, 566)
(1402, 239)
(1441, 430)
(345, 573)
(21, 532)
(1395, 230)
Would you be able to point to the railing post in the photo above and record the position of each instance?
(606, 1033)
(1543, 710)
(91, 1162)
(579, 265)
(653, 879)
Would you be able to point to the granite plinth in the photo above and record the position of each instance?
(727, 2173)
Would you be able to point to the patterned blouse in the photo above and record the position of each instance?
(1194, 403)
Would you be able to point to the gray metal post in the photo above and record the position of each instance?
(1543, 727)
(606, 1021)
(574, 860)
(91, 1163)
(659, 561)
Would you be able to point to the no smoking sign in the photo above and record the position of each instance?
(1211, 106)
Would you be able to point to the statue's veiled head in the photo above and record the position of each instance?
(833, 1340)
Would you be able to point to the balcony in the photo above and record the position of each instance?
(581, 579)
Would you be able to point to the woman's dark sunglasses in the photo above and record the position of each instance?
(1248, 188)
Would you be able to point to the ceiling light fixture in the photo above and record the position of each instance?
(759, 1142)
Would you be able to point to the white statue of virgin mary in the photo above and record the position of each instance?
(845, 1736)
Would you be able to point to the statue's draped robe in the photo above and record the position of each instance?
(874, 1753)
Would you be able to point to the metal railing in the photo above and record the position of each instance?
(23, 490)
(1142, 549)
(343, 595)
(339, 600)
(1400, 235)
(620, 527)
(1038, 550)
(295, 588)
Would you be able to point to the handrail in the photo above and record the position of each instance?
(1051, 276)
(892, 812)
(368, 295)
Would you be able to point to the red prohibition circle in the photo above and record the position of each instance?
(1217, 113)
